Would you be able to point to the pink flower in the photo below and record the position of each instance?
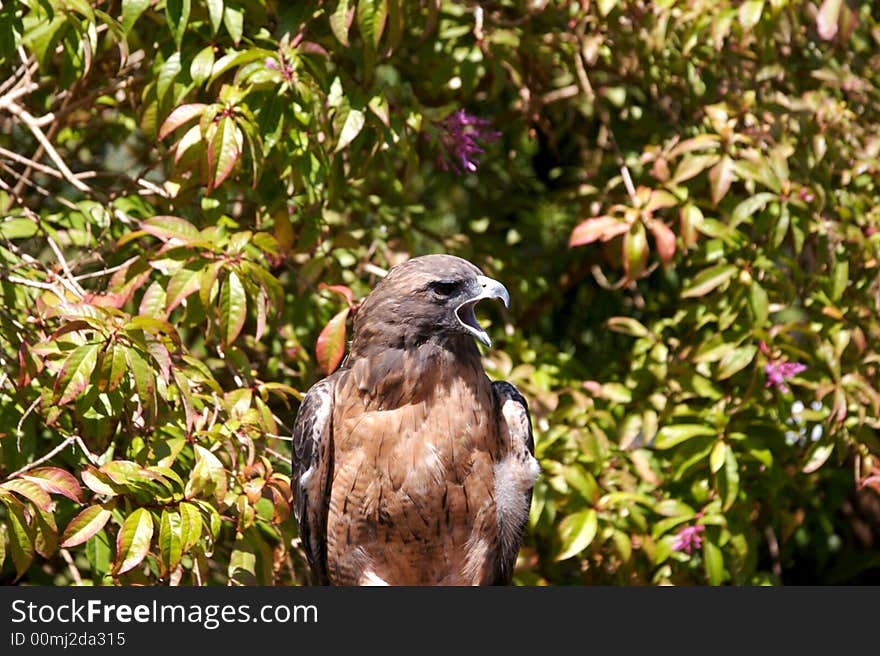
(688, 538)
(778, 372)
(461, 137)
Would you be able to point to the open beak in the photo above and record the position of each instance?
(465, 312)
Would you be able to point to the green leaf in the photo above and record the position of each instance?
(747, 208)
(713, 562)
(720, 178)
(709, 279)
(372, 16)
(233, 308)
(18, 228)
(3, 540)
(208, 476)
(340, 21)
(669, 436)
(182, 284)
(86, 524)
(716, 458)
(177, 15)
(735, 360)
(201, 66)
(728, 480)
(21, 540)
(817, 456)
(207, 280)
(133, 540)
(233, 19)
(170, 542)
(330, 346)
(168, 72)
(76, 373)
(99, 554)
(759, 304)
(144, 380)
(242, 563)
(839, 279)
(131, 11)
(190, 525)
(171, 229)
(153, 301)
(635, 251)
(97, 481)
(351, 128)
(627, 326)
(215, 14)
(693, 165)
(576, 532)
(224, 150)
(750, 13)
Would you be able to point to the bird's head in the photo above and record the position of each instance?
(427, 298)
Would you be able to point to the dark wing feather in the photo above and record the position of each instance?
(311, 468)
(514, 475)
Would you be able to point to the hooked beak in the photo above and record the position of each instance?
(465, 312)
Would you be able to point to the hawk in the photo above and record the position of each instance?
(411, 467)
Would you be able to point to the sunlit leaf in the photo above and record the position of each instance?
(669, 436)
(576, 532)
(170, 543)
(330, 346)
(76, 373)
(55, 481)
(233, 307)
(85, 525)
(351, 128)
(708, 280)
(180, 116)
(29, 491)
(133, 540)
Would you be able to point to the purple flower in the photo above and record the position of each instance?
(778, 372)
(688, 538)
(461, 137)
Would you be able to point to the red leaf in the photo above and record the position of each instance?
(30, 491)
(600, 227)
(330, 346)
(55, 481)
(85, 525)
(665, 241)
(339, 289)
(179, 116)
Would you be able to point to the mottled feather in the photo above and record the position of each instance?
(410, 466)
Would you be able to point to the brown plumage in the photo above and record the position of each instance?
(410, 466)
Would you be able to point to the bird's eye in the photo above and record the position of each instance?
(444, 287)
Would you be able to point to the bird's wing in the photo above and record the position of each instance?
(312, 462)
(515, 475)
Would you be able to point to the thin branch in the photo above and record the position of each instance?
(66, 281)
(92, 458)
(34, 283)
(71, 566)
(21, 159)
(36, 463)
(33, 126)
(104, 272)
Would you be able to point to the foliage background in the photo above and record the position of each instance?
(682, 202)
